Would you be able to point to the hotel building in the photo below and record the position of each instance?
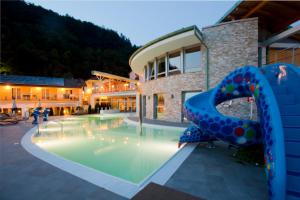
(188, 61)
(110, 92)
(61, 95)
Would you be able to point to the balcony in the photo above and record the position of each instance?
(34, 98)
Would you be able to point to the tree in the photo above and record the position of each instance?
(36, 41)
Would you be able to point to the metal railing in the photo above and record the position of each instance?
(107, 90)
(5, 98)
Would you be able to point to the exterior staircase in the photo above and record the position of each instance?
(287, 93)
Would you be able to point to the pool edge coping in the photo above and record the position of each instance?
(132, 122)
(111, 183)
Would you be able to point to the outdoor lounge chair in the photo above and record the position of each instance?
(6, 119)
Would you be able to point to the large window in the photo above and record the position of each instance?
(174, 63)
(151, 71)
(45, 93)
(161, 66)
(192, 59)
(16, 93)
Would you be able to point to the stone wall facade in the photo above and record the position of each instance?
(172, 87)
(231, 45)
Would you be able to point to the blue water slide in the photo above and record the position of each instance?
(278, 129)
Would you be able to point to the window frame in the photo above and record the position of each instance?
(178, 53)
(161, 74)
(192, 50)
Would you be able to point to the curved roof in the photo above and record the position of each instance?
(181, 38)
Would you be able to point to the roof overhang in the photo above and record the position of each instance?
(274, 16)
(175, 40)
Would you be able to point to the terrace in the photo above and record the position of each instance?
(111, 91)
(29, 92)
(35, 94)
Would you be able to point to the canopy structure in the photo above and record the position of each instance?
(103, 75)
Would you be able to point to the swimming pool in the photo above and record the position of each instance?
(124, 152)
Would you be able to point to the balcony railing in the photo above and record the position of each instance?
(35, 98)
(107, 90)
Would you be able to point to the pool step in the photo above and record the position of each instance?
(292, 134)
(292, 149)
(290, 121)
(285, 99)
(291, 195)
(278, 90)
(293, 164)
(293, 185)
(290, 109)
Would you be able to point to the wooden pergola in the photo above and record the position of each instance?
(103, 75)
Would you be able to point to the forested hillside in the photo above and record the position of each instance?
(36, 41)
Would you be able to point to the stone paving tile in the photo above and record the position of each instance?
(207, 173)
(24, 177)
(214, 174)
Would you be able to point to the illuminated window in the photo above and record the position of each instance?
(159, 106)
(45, 93)
(16, 93)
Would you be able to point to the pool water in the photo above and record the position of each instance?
(110, 145)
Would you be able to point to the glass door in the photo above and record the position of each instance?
(159, 106)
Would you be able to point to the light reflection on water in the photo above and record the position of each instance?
(109, 145)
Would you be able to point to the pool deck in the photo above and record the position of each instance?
(206, 173)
